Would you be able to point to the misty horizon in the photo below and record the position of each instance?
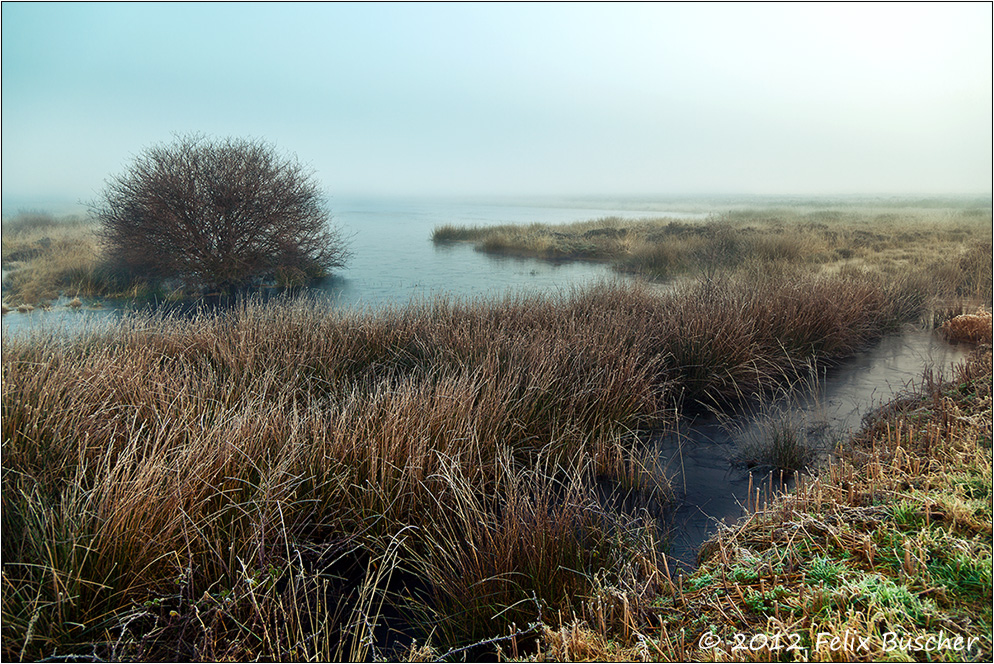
(649, 203)
(655, 102)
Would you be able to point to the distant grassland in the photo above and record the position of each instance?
(46, 257)
(952, 246)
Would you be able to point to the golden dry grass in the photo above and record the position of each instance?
(972, 328)
(177, 488)
(47, 256)
(953, 247)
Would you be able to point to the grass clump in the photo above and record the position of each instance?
(971, 328)
(774, 432)
(287, 482)
(777, 441)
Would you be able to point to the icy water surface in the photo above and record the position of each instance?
(702, 458)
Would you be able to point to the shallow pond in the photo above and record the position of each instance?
(395, 260)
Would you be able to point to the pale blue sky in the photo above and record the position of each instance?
(528, 99)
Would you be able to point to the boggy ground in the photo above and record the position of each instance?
(285, 482)
(281, 481)
(885, 555)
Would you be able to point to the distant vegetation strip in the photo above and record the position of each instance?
(262, 483)
(46, 258)
(933, 242)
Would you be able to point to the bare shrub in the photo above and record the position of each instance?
(218, 214)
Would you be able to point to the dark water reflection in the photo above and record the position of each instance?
(713, 487)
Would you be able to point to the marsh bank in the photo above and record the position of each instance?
(344, 426)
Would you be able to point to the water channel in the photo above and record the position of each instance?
(707, 459)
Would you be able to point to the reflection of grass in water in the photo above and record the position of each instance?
(778, 441)
(777, 430)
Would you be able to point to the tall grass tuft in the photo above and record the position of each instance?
(530, 549)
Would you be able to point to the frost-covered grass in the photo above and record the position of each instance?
(267, 482)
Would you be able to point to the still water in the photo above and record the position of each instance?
(704, 458)
(394, 259)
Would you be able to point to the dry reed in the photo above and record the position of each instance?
(269, 482)
(972, 328)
